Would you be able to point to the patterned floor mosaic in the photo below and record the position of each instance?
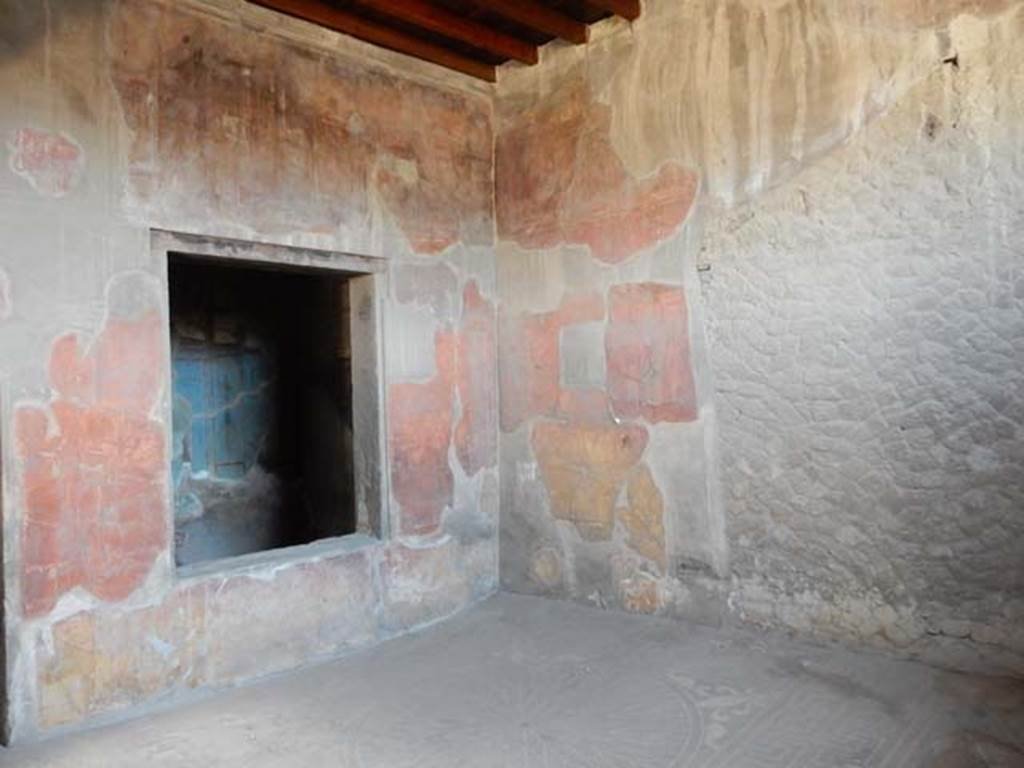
(528, 683)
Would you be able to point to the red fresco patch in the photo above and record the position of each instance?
(617, 217)
(420, 425)
(476, 439)
(50, 162)
(427, 221)
(281, 138)
(560, 181)
(421, 414)
(528, 369)
(530, 366)
(93, 467)
(583, 406)
(647, 348)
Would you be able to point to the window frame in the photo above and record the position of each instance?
(366, 277)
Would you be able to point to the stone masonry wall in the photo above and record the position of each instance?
(218, 118)
(867, 337)
(824, 432)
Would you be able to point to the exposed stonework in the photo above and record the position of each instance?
(641, 594)
(821, 349)
(867, 327)
(866, 317)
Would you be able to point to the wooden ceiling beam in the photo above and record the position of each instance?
(325, 15)
(539, 17)
(437, 19)
(627, 9)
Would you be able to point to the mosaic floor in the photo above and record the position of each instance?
(524, 682)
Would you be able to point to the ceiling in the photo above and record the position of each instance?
(469, 36)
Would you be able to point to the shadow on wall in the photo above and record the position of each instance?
(25, 23)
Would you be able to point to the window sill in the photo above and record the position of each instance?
(272, 559)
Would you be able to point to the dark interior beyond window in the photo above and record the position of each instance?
(262, 401)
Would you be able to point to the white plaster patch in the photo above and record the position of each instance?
(694, 530)
(410, 350)
(582, 356)
(78, 600)
(6, 306)
(526, 471)
(163, 649)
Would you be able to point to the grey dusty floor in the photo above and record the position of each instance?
(528, 682)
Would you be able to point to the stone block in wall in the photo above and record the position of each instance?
(641, 593)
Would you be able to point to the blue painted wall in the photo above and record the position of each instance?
(223, 408)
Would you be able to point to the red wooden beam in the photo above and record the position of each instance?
(348, 23)
(442, 21)
(627, 9)
(539, 17)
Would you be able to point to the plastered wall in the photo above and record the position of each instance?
(759, 267)
(746, 275)
(220, 119)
